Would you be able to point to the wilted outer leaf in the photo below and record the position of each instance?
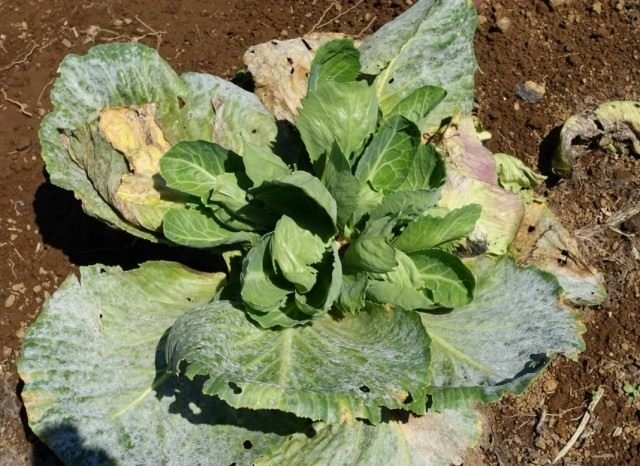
(123, 75)
(436, 439)
(96, 386)
(342, 113)
(502, 339)
(543, 241)
(331, 370)
(614, 124)
(429, 44)
(279, 69)
(133, 132)
(514, 175)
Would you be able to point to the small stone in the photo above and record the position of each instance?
(13, 237)
(530, 91)
(20, 333)
(574, 60)
(503, 24)
(550, 385)
(482, 19)
(128, 21)
(118, 22)
(67, 43)
(596, 8)
(556, 3)
(540, 443)
(10, 301)
(37, 289)
(19, 288)
(284, 33)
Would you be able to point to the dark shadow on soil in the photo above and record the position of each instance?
(87, 241)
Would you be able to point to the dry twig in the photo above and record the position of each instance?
(339, 15)
(324, 13)
(597, 396)
(366, 28)
(20, 105)
(19, 61)
(152, 32)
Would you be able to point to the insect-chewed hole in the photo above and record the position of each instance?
(364, 389)
(236, 389)
(531, 229)
(247, 445)
(408, 399)
(391, 80)
(181, 102)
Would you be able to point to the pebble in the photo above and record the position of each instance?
(503, 24)
(596, 8)
(20, 333)
(67, 43)
(530, 91)
(10, 301)
(550, 385)
(19, 288)
(557, 3)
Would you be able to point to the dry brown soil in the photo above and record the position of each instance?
(582, 51)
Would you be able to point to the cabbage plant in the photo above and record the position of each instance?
(369, 302)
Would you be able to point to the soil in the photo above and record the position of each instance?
(582, 52)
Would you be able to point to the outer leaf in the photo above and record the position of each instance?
(430, 44)
(342, 113)
(97, 389)
(198, 229)
(337, 60)
(388, 158)
(331, 370)
(302, 197)
(125, 75)
(449, 281)
(514, 175)
(294, 250)
(502, 339)
(259, 288)
(417, 105)
(436, 439)
(192, 166)
(430, 231)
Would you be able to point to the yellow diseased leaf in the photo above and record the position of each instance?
(141, 197)
(134, 132)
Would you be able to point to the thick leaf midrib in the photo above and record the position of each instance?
(450, 349)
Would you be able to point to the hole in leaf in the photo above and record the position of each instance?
(181, 102)
(293, 70)
(189, 299)
(531, 229)
(247, 445)
(364, 389)
(236, 389)
(408, 399)
(391, 80)
(306, 44)
(101, 316)
(254, 131)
